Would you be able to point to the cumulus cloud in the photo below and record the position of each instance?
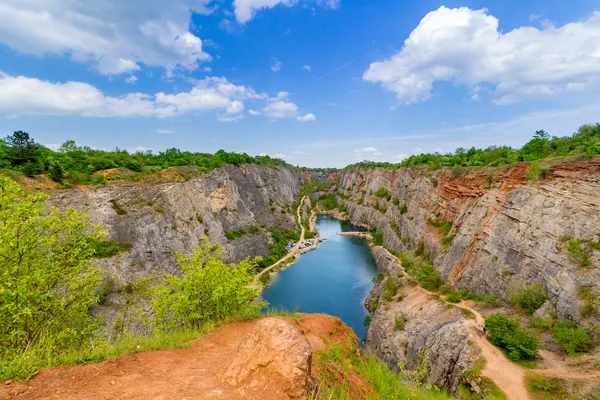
(23, 95)
(307, 118)
(131, 79)
(115, 36)
(276, 65)
(253, 112)
(307, 68)
(245, 10)
(465, 47)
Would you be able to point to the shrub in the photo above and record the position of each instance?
(454, 297)
(403, 209)
(537, 171)
(109, 248)
(118, 209)
(383, 193)
(47, 278)
(519, 343)
(528, 297)
(367, 321)
(264, 278)
(580, 251)
(56, 171)
(400, 322)
(571, 338)
(231, 235)
(377, 238)
(253, 229)
(540, 323)
(210, 290)
(539, 384)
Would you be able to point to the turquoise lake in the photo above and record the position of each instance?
(334, 279)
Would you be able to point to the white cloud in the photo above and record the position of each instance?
(207, 69)
(401, 157)
(307, 68)
(253, 112)
(245, 10)
(276, 65)
(131, 79)
(465, 47)
(165, 132)
(115, 36)
(307, 118)
(369, 149)
(23, 95)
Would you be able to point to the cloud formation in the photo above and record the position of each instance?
(245, 10)
(465, 47)
(23, 95)
(115, 36)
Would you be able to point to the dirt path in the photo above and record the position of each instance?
(294, 250)
(193, 373)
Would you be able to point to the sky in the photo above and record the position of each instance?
(319, 83)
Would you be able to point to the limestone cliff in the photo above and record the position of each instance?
(504, 229)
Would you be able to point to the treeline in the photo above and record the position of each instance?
(77, 164)
(583, 143)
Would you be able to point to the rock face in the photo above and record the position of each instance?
(274, 353)
(504, 229)
(434, 337)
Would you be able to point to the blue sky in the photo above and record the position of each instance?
(316, 82)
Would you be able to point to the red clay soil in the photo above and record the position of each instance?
(191, 373)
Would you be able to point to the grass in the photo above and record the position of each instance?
(542, 387)
(109, 248)
(28, 365)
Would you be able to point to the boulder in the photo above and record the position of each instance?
(273, 354)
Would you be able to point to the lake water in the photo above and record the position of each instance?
(334, 279)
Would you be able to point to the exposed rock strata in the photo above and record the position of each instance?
(505, 229)
(435, 335)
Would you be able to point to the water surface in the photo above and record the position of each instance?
(333, 279)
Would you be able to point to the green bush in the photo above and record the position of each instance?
(540, 323)
(209, 291)
(454, 297)
(109, 248)
(377, 238)
(383, 193)
(47, 280)
(400, 322)
(580, 251)
(231, 235)
(519, 343)
(539, 384)
(571, 338)
(328, 201)
(528, 297)
(537, 171)
(403, 209)
(253, 229)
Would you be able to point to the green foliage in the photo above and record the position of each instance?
(528, 297)
(328, 201)
(20, 152)
(314, 187)
(265, 278)
(537, 171)
(383, 193)
(443, 227)
(209, 291)
(368, 320)
(541, 385)
(400, 321)
(117, 207)
(454, 297)
(232, 235)
(540, 323)
(253, 229)
(580, 251)
(278, 248)
(585, 142)
(403, 208)
(519, 343)
(377, 238)
(109, 248)
(47, 279)
(571, 338)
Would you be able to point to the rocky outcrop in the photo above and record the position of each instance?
(504, 229)
(159, 218)
(418, 331)
(274, 353)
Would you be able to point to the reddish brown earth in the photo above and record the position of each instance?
(190, 373)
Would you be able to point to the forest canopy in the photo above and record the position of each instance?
(583, 143)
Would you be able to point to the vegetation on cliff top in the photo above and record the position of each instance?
(583, 143)
(76, 164)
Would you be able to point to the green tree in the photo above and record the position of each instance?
(47, 280)
(22, 149)
(209, 291)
